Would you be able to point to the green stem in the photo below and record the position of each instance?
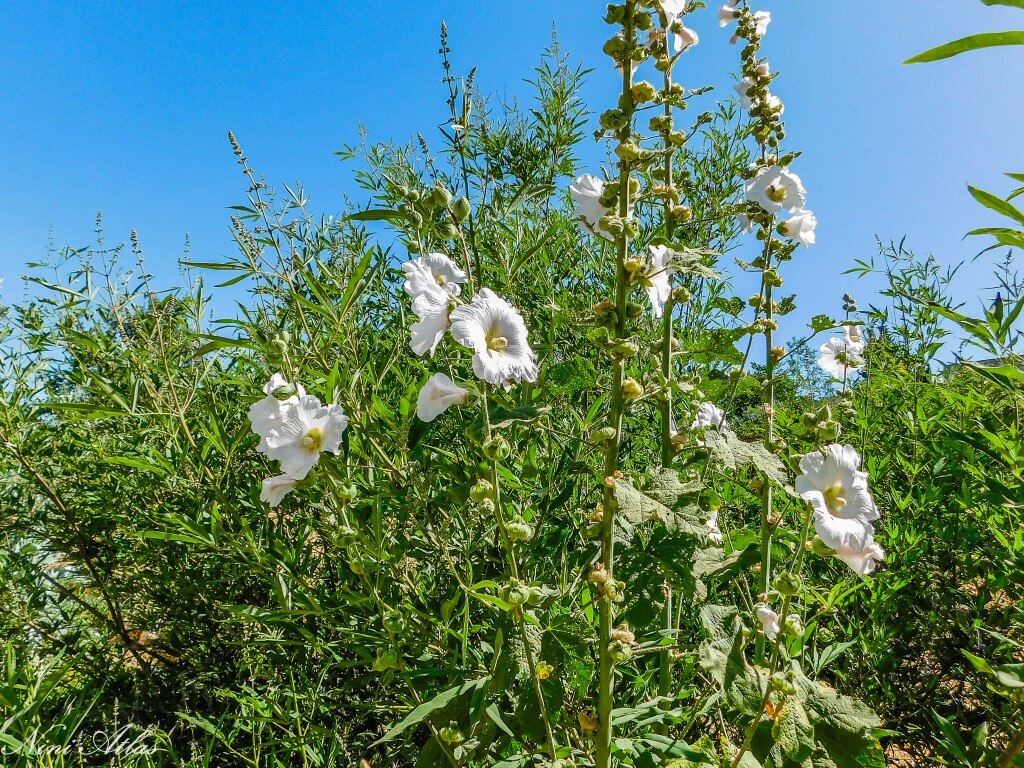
(767, 494)
(606, 672)
(665, 661)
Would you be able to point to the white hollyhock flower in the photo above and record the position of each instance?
(851, 539)
(742, 89)
(761, 21)
(801, 227)
(854, 338)
(430, 305)
(714, 532)
(266, 413)
(746, 225)
(685, 37)
(276, 488)
(306, 429)
(439, 268)
(840, 356)
(726, 15)
(438, 395)
(775, 188)
(673, 8)
(769, 620)
(658, 279)
(496, 333)
(834, 473)
(586, 194)
(709, 415)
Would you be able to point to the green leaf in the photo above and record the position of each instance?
(420, 713)
(996, 204)
(970, 43)
(1011, 3)
(374, 214)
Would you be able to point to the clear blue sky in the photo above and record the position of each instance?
(124, 106)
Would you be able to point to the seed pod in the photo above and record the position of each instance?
(461, 209)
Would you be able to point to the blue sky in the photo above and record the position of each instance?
(124, 107)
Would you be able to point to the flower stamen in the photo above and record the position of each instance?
(834, 497)
(313, 439)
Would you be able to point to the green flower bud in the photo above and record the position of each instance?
(442, 197)
(661, 123)
(362, 564)
(519, 530)
(682, 213)
(626, 348)
(516, 594)
(631, 389)
(347, 536)
(642, 21)
(496, 448)
(786, 583)
(784, 686)
(482, 489)
(614, 119)
(681, 295)
(620, 651)
(819, 547)
(387, 659)
(629, 152)
(593, 530)
(602, 435)
(634, 310)
(461, 209)
(394, 622)
(414, 195)
(487, 506)
(451, 734)
(642, 92)
(793, 627)
(616, 14)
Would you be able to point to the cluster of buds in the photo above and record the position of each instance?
(620, 644)
(482, 493)
(517, 594)
(613, 590)
(595, 523)
(822, 425)
(518, 529)
(437, 205)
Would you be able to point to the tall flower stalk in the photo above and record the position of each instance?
(626, 153)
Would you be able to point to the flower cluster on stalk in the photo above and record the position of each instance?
(294, 429)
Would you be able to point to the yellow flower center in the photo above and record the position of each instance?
(496, 343)
(313, 439)
(441, 279)
(834, 497)
(776, 194)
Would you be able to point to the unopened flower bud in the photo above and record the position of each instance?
(819, 547)
(629, 152)
(613, 119)
(619, 651)
(496, 448)
(682, 213)
(642, 92)
(387, 659)
(786, 583)
(626, 348)
(622, 634)
(631, 388)
(482, 489)
(598, 574)
(442, 197)
(633, 266)
(602, 435)
(487, 506)
(347, 536)
(451, 734)
(394, 622)
(461, 209)
(516, 594)
(793, 627)
(634, 310)
(681, 295)
(519, 530)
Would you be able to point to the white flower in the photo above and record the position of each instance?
(746, 225)
(496, 333)
(276, 488)
(769, 620)
(801, 227)
(586, 194)
(775, 188)
(709, 415)
(266, 413)
(439, 268)
(306, 429)
(726, 15)
(742, 88)
(437, 396)
(840, 356)
(430, 305)
(854, 338)
(834, 474)
(761, 21)
(673, 8)
(714, 532)
(851, 539)
(685, 37)
(658, 279)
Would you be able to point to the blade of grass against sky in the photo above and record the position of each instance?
(125, 108)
